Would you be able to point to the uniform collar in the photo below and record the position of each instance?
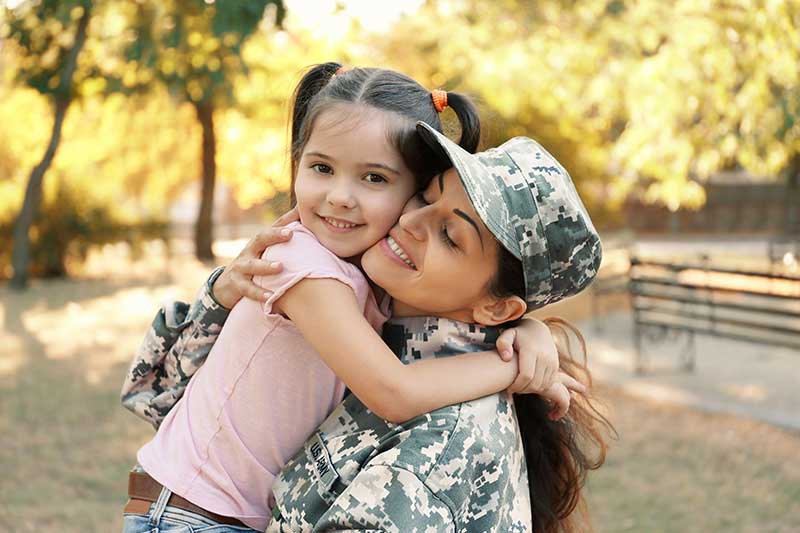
(413, 338)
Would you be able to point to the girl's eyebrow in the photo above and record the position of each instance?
(384, 167)
(319, 154)
(466, 217)
(370, 165)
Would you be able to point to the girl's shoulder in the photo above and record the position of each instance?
(304, 253)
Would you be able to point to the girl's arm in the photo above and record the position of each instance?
(328, 315)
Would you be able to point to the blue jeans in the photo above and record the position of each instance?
(165, 519)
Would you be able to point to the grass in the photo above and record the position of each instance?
(66, 444)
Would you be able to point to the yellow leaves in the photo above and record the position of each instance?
(230, 39)
(198, 60)
(49, 59)
(76, 12)
(168, 66)
(195, 38)
(195, 90)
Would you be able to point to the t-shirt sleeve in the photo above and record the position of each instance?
(386, 498)
(303, 257)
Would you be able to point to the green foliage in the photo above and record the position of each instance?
(44, 31)
(69, 223)
(193, 47)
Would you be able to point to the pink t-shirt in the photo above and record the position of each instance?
(262, 391)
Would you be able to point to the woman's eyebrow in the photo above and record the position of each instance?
(466, 217)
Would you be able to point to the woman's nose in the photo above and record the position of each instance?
(341, 194)
(412, 221)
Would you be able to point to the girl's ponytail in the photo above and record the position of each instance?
(469, 120)
(312, 82)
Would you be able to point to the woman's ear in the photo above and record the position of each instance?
(494, 311)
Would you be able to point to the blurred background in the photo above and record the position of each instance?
(143, 142)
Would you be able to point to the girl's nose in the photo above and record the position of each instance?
(341, 195)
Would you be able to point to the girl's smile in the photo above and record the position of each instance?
(352, 183)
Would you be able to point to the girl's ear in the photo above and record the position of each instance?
(493, 311)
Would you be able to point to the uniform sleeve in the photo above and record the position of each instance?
(386, 498)
(175, 346)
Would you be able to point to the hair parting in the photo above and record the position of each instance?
(326, 85)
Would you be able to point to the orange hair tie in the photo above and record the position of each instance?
(341, 70)
(439, 99)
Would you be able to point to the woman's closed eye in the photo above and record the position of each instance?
(445, 236)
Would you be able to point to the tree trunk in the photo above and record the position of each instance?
(33, 193)
(204, 227)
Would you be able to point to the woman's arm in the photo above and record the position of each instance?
(328, 315)
(176, 345)
(182, 335)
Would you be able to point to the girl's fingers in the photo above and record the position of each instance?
(559, 396)
(571, 383)
(505, 344)
(527, 370)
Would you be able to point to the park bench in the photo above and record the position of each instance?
(674, 302)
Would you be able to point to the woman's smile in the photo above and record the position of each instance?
(397, 253)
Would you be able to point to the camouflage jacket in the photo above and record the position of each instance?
(176, 345)
(460, 468)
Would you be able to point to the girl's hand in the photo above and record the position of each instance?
(558, 395)
(236, 280)
(537, 355)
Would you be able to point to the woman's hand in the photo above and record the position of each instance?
(236, 280)
(537, 356)
(288, 217)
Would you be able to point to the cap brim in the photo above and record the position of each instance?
(475, 176)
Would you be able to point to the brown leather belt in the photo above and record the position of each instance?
(144, 490)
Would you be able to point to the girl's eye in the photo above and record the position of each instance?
(322, 168)
(420, 196)
(446, 238)
(375, 178)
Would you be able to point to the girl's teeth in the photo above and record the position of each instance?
(337, 224)
(399, 252)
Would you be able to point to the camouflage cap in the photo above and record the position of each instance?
(529, 203)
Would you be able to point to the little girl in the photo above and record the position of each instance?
(271, 377)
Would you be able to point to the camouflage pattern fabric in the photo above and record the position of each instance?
(529, 203)
(460, 468)
(176, 345)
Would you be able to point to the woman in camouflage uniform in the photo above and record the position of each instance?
(509, 220)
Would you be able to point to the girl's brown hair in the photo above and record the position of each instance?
(324, 86)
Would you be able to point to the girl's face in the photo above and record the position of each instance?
(440, 258)
(351, 183)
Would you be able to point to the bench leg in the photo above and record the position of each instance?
(689, 353)
(639, 364)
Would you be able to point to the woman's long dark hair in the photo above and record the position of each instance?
(559, 454)
(386, 90)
